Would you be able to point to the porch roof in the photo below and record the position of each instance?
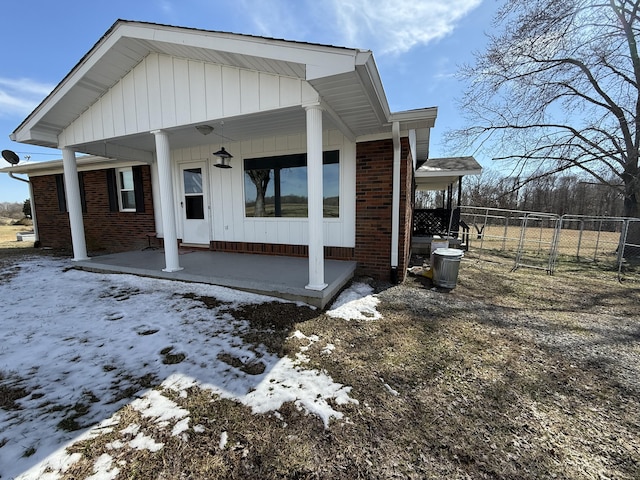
(439, 173)
(345, 79)
(50, 167)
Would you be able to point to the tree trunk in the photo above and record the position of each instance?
(260, 178)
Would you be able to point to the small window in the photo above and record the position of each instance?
(126, 190)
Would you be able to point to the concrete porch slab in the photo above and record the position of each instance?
(282, 277)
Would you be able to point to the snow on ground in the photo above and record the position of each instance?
(356, 303)
(74, 340)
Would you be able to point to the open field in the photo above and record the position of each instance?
(9, 246)
(511, 375)
(539, 239)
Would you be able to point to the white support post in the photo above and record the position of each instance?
(314, 189)
(74, 204)
(163, 154)
(157, 207)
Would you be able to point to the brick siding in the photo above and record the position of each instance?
(105, 231)
(331, 253)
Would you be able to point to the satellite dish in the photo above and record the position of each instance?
(10, 157)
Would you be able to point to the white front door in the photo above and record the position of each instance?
(194, 203)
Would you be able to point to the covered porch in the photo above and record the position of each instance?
(442, 222)
(277, 276)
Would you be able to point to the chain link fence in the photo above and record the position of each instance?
(548, 241)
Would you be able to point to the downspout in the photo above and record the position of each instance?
(33, 208)
(395, 204)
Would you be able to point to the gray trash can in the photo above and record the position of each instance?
(446, 264)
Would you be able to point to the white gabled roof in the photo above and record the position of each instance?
(347, 79)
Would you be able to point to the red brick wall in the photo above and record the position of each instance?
(105, 231)
(374, 202)
(53, 225)
(374, 186)
(333, 253)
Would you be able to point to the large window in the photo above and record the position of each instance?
(277, 186)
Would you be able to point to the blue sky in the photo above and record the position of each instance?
(418, 46)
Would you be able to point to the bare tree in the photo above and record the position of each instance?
(260, 178)
(558, 89)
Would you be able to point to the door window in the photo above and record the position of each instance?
(193, 195)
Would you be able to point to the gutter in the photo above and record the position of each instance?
(395, 205)
(18, 178)
(33, 207)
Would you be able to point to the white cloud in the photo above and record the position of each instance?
(398, 25)
(19, 96)
(384, 26)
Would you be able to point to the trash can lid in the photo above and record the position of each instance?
(448, 252)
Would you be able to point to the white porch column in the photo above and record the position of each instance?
(155, 191)
(74, 204)
(163, 154)
(314, 188)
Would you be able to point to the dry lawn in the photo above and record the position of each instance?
(10, 248)
(512, 375)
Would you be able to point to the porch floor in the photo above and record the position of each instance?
(277, 276)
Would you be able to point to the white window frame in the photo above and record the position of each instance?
(121, 189)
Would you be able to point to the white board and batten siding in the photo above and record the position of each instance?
(227, 210)
(166, 92)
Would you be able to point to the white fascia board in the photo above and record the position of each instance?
(420, 173)
(24, 132)
(35, 137)
(416, 119)
(370, 79)
(319, 60)
(85, 164)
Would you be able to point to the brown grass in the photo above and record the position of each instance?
(511, 375)
(539, 240)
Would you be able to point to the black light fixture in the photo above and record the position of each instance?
(224, 157)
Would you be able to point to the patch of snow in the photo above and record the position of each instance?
(115, 445)
(132, 429)
(224, 437)
(155, 405)
(181, 426)
(328, 349)
(389, 389)
(356, 303)
(145, 442)
(102, 469)
(104, 334)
